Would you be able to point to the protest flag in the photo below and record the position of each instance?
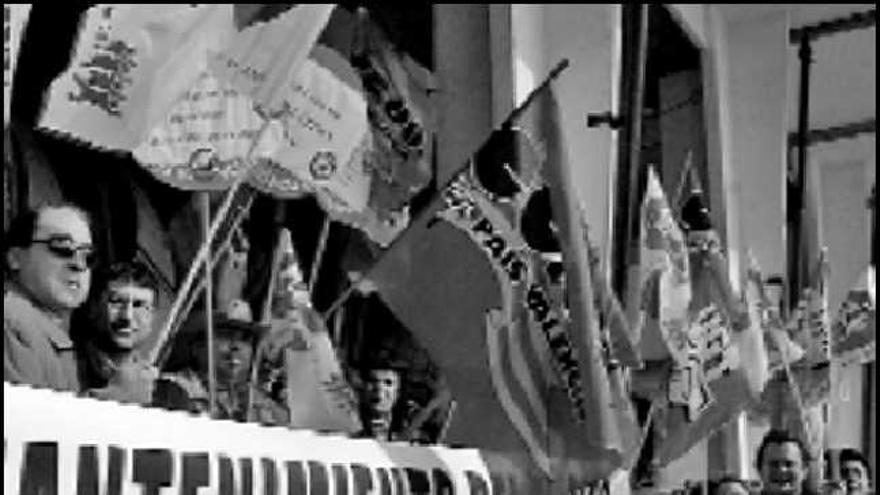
(262, 59)
(751, 340)
(711, 388)
(15, 19)
(853, 333)
(297, 354)
(131, 63)
(664, 278)
(481, 279)
(809, 323)
(623, 343)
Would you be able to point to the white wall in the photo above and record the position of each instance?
(757, 99)
(542, 35)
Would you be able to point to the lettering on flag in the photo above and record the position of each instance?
(322, 127)
(205, 141)
(263, 58)
(853, 332)
(469, 210)
(15, 17)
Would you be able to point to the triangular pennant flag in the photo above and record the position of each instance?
(664, 278)
(262, 59)
(711, 388)
(854, 331)
(15, 18)
(512, 328)
(751, 341)
(131, 64)
(298, 356)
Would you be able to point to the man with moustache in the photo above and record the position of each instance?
(121, 319)
(48, 259)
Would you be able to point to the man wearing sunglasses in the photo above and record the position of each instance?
(119, 321)
(48, 256)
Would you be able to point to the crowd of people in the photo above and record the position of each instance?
(69, 329)
(49, 258)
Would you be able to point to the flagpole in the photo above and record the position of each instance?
(205, 198)
(165, 347)
(319, 257)
(506, 124)
(205, 248)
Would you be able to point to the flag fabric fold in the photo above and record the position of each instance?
(712, 387)
(622, 341)
(15, 18)
(131, 64)
(854, 337)
(664, 279)
(263, 59)
(751, 341)
(297, 354)
(505, 308)
(323, 135)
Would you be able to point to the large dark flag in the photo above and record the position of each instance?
(493, 279)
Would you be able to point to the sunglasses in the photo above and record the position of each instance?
(64, 248)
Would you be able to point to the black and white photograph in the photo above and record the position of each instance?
(396, 248)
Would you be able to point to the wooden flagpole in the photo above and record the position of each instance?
(205, 198)
(164, 348)
(205, 249)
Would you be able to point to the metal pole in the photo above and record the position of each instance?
(795, 262)
(635, 54)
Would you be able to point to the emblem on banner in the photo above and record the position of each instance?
(323, 165)
(106, 76)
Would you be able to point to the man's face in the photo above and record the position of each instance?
(55, 269)
(233, 353)
(856, 477)
(129, 314)
(383, 387)
(782, 470)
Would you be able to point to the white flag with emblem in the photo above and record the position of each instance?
(263, 59)
(132, 62)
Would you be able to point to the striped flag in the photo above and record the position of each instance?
(505, 309)
(132, 62)
(15, 17)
